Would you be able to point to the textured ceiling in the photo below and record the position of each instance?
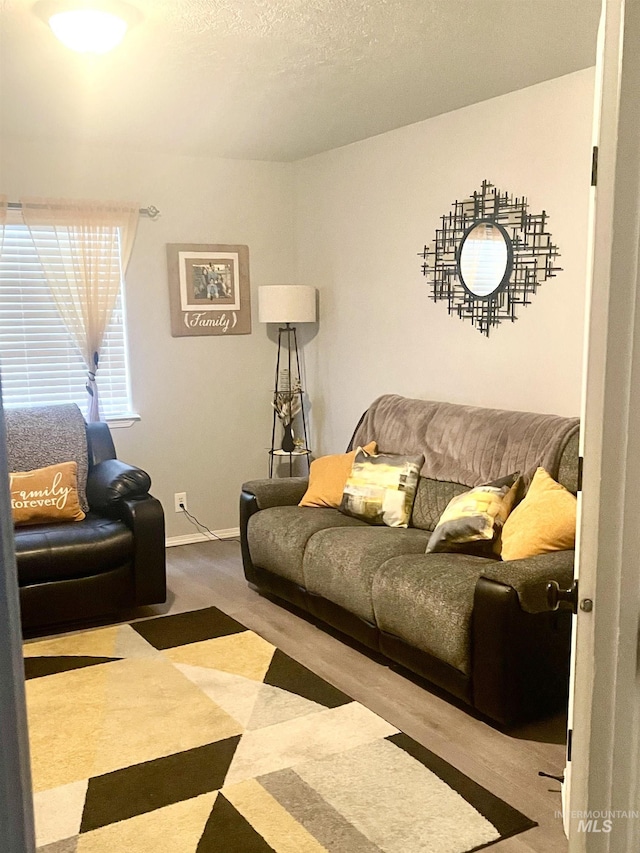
(282, 79)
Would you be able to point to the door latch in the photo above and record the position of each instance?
(557, 596)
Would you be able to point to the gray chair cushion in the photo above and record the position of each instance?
(277, 536)
(340, 564)
(426, 600)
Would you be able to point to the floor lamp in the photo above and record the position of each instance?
(287, 304)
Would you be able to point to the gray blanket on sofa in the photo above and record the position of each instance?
(466, 444)
(39, 436)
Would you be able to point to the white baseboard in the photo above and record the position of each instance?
(190, 538)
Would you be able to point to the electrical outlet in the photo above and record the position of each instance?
(180, 501)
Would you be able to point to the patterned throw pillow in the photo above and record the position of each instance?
(381, 488)
(472, 522)
(545, 520)
(328, 476)
(45, 495)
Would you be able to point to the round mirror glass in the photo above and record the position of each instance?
(485, 258)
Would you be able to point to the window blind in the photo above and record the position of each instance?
(39, 361)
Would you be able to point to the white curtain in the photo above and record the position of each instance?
(83, 267)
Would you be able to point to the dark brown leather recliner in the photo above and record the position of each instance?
(111, 561)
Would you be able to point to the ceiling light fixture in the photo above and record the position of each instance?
(88, 27)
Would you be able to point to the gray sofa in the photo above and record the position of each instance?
(480, 629)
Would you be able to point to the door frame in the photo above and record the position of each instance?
(603, 782)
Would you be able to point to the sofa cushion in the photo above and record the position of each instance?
(427, 600)
(466, 444)
(568, 470)
(432, 498)
(48, 552)
(277, 536)
(340, 564)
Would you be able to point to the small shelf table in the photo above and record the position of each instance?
(280, 453)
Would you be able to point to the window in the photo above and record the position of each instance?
(39, 361)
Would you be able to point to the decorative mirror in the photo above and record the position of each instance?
(489, 256)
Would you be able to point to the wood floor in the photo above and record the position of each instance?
(210, 573)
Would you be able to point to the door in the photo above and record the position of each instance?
(601, 794)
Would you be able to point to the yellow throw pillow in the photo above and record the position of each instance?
(544, 521)
(46, 495)
(328, 476)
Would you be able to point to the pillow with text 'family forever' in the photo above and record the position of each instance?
(472, 522)
(45, 495)
(381, 488)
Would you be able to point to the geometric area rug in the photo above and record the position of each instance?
(191, 734)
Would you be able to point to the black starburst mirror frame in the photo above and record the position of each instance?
(530, 257)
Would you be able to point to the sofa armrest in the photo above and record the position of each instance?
(529, 577)
(145, 518)
(262, 494)
(520, 660)
(520, 648)
(287, 491)
(111, 482)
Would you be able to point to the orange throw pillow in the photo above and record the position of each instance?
(46, 495)
(328, 476)
(544, 521)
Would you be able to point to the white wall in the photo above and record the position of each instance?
(204, 401)
(351, 222)
(363, 212)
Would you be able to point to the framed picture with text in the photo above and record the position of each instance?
(209, 291)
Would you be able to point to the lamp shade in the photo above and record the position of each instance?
(287, 303)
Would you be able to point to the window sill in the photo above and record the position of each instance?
(122, 421)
